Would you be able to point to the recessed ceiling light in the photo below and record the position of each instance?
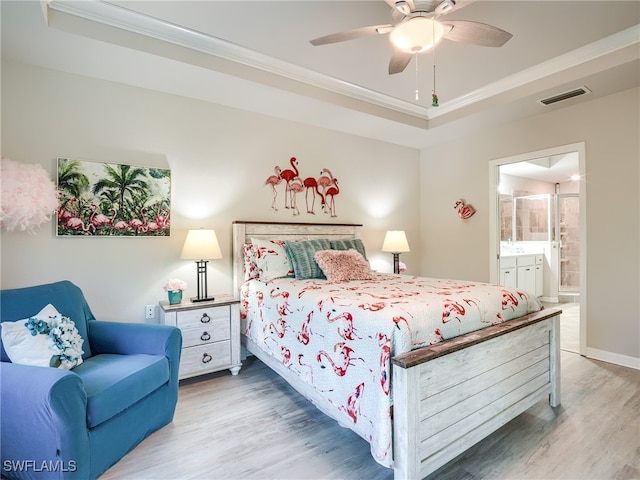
(575, 177)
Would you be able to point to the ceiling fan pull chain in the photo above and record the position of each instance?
(417, 91)
(434, 95)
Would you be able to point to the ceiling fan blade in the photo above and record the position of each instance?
(475, 33)
(351, 34)
(399, 61)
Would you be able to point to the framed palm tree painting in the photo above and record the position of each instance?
(112, 199)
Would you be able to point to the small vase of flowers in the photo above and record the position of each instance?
(174, 288)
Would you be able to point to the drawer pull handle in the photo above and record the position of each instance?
(205, 336)
(205, 318)
(206, 358)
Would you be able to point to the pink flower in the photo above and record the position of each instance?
(402, 266)
(175, 284)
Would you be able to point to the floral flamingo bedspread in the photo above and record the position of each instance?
(340, 337)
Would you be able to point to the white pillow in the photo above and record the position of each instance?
(37, 350)
(272, 259)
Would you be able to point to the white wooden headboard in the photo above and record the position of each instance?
(244, 231)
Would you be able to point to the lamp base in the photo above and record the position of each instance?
(206, 299)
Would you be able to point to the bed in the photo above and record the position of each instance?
(420, 368)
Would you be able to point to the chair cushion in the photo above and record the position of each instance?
(115, 382)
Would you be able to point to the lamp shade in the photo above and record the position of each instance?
(417, 34)
(201, 245)
(395, 241)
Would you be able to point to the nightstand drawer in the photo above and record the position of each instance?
(202, 358)
(202, 316)
(210, 334)
(214, 331)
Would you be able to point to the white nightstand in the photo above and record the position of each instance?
(210, 334)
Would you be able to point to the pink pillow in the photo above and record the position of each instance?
(343, 265)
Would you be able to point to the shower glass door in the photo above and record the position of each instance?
(569, 238)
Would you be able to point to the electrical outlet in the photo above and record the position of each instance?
(150, 311)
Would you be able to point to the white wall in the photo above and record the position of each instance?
(609, 127)
(219, 159)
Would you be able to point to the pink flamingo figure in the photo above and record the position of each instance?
(274, 180)
(272, 328)
(162, 217)
(508, 300)
(76, 224)
(295, 187)
(452, 310)
(398, 320)
(352, 408)
(121, 225)
(286, 356)
(436, 337)
(311, 185)
(464, 209)
(325, 181)
(136, 223)
(304, 335)
(344, 359)
(331, 202)
(63, 213)
(288, 175)
(99, 219)
(283, 309)
(307, 367)
(384, 343)
(347, 333)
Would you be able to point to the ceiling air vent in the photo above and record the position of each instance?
(564, 96)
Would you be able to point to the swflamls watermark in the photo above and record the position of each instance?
(39, 466)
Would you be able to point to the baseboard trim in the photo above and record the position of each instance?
(616, 358)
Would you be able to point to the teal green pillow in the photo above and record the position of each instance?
(354, 243)
(301, 257)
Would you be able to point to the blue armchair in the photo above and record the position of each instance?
(76, 424)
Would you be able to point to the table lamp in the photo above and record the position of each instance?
(201, 245)
(395, 241)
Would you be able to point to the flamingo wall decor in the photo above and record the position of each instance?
(112, 199)
(465, 210)
(319, 192)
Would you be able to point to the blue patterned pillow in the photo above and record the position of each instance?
(355, 243)
(301, 256)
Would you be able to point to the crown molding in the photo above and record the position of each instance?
(601, 48)
(130, 21)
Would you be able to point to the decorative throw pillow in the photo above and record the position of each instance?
(346, 244)
(344, 265)
(301, 257)
(271, 259)
(48, 339)
(250, 267)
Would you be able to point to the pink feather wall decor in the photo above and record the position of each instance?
(29, 197)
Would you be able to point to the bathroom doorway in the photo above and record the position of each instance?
(539, 201)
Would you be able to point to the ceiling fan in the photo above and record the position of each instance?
(418, 26)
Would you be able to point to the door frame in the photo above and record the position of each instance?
(494, 224)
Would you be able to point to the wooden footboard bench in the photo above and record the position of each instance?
(449, 396)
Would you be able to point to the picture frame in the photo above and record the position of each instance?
(109, 199)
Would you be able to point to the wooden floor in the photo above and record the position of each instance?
(254, 426)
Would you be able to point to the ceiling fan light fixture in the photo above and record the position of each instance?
(417, 34)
